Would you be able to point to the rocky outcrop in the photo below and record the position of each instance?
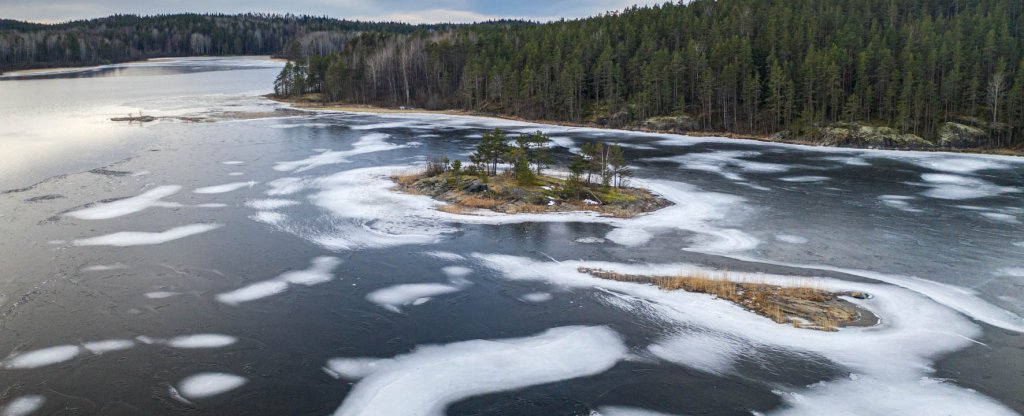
(672, 124)
(957, 135)
(861, 136)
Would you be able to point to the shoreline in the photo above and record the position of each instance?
(22, 73)
(728, 136)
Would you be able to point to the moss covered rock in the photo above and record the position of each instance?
(674, 124)
(957, 135)
(863, 136)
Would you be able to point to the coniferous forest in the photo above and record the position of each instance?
(124, 38)
(948, 71)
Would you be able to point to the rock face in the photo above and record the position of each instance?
(864, 137)
(673, 124)
(956, 135)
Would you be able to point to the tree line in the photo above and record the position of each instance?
(122, 38)
(752, 66)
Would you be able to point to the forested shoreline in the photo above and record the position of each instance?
(896, 73)
(122, 38)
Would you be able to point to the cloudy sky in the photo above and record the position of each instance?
(402, 10)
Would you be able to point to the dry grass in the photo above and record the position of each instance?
(473, 201)
(803, 306)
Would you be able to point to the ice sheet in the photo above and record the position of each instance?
(138, 238)
(408, 384)
(151, 198)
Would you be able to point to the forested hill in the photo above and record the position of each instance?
(948, 71)
(128, 37)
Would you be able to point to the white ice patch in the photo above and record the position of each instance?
(320, 271)
(444, 255)
(1019, 244)
(804, 178)
(104, 267)
(233, 162)
(956, 187)
(954, 164)
(791, 239)
(866, 395)
(629, 237)
(537, 297)
(373, 142)
(625, 411)
(122, 207)
(160, 295)
(456, 272)
(407, 384)
(286, 186)
(590, 240)
(268, 217)
(204, 385)
(108, 345)
(849, 160)
(725, 163)
(225, 188)
(392, 298)
(896, 354)
(270, 204)
(1010, 271)
(42, 357)
(236, 174)
(1001, 217)
(899, 202)
(201, 341)
(138, 238)
(24, 405)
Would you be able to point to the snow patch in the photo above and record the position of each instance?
(138, 238)
(225, 188)
(100, 347)
(320, 271)
(42, 357)
(791, 239)
(373, 142)
(392, 298)
(407, 384)
(270, 204)
(24, 405)
(201, 341)
(122, 207)
(204, 385)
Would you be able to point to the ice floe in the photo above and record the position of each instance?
(23, 406)
(233, 162)
(394, 297)
(899, 202)
(791, 239)
(151, 198)
(268, 217)
(957, 187)
(407, 384)
(1001, 217)
(108, 345)
(804, 178)
(201, 341)
(225, 188)
(320, 271)
(537, 297)
(139, 238)
(725, 163)
(104, 267)
(286, 186)
(42, 357)
(160, 294)
(203, 385)
(445, 255)
(270, 204)
(373, 142)
(625, 411)
(590, 240)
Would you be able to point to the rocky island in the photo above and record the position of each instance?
(596, 181)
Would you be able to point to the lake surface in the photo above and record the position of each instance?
(234, 258)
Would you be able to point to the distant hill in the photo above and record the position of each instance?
(123, 38)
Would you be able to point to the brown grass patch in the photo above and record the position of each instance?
(804, 307)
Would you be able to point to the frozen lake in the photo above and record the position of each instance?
(260, 265)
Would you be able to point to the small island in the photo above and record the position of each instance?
(597, 180)
(806, 306)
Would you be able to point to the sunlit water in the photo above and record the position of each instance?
(264, 267)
